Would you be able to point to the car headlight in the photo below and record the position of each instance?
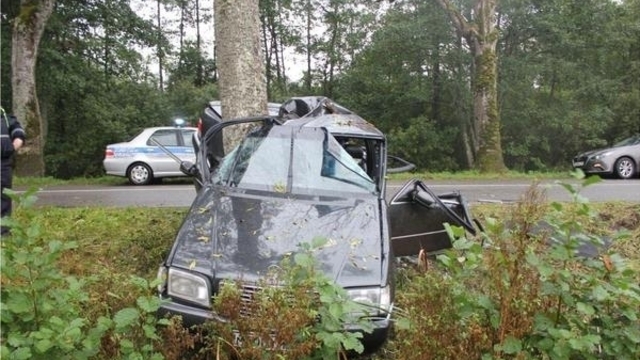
(188, 286)
(162, 279)
(374, 299)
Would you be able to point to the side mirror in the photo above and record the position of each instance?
(404, 165)
(190, 169)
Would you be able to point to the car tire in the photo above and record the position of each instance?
(625, 168)
(140, 174)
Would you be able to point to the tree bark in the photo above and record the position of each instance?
(242, 83)
(243, 90)
(481, 37)
(160, 50)
(27, 31)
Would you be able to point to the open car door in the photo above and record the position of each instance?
(417, 218)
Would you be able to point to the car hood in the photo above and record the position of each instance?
(614, 149)
(233, 235)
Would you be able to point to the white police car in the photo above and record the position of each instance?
(142, 161)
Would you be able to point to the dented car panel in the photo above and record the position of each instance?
(238, 232)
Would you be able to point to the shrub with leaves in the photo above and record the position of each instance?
(295, 313)
(41, 309)
(529, 291)
(134, 330)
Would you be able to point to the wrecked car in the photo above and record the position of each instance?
(316, 170)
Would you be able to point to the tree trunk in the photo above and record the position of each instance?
(27, 32)
(200, 74)
(160, 50)
(242, 84)
(308, 30)
(481, 36)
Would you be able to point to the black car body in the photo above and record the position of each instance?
(291, 179)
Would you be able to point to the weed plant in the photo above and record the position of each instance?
(56, 293)
(293, 312)
(525, 290)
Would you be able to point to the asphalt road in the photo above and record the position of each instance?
(181, 195)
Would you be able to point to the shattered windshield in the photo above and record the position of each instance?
(297, 160)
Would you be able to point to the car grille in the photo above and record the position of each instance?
(580, 158)
(247, 296)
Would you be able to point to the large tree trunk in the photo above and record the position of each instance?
(27, 32)
(481, 36)
(242, 83)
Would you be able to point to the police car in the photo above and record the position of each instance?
(142, 161)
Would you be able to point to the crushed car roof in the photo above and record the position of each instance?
(340, 125)
(322, 112)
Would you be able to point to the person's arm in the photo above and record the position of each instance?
(16, 132)
(17, 143)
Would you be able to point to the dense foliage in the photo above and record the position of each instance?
(569, 73)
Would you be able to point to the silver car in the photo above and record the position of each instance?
(142, 161)
(622, 159)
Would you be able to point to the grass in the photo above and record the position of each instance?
(461, 175)
(40, 182)
(118, 241)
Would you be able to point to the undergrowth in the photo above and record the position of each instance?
(545, 281)
(79, 283)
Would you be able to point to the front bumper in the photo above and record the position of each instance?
(193, 316)
(593, 166)
(374, 340)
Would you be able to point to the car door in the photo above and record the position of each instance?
(161, 162)
(186, 150)
(417, 217)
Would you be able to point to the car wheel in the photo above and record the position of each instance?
(625, 168)
(140, 174)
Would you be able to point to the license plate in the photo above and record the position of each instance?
(578, 163)
(239, 340)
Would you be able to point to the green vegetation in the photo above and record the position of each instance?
(79, 283)
(524, 293)
(567, 75)
(28, 182)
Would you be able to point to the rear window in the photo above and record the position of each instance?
(164, 137)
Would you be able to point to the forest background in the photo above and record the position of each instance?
(568, 73)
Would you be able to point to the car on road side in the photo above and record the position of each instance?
(319, 171)
(142, 161)
(621, 160)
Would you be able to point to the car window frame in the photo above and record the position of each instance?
(234, 166)
(174, 132)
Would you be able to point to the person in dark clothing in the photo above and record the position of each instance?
(13, 137)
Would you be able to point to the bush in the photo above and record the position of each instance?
(44, 311)
(41, 307)
(296, 313)
(526, 290)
